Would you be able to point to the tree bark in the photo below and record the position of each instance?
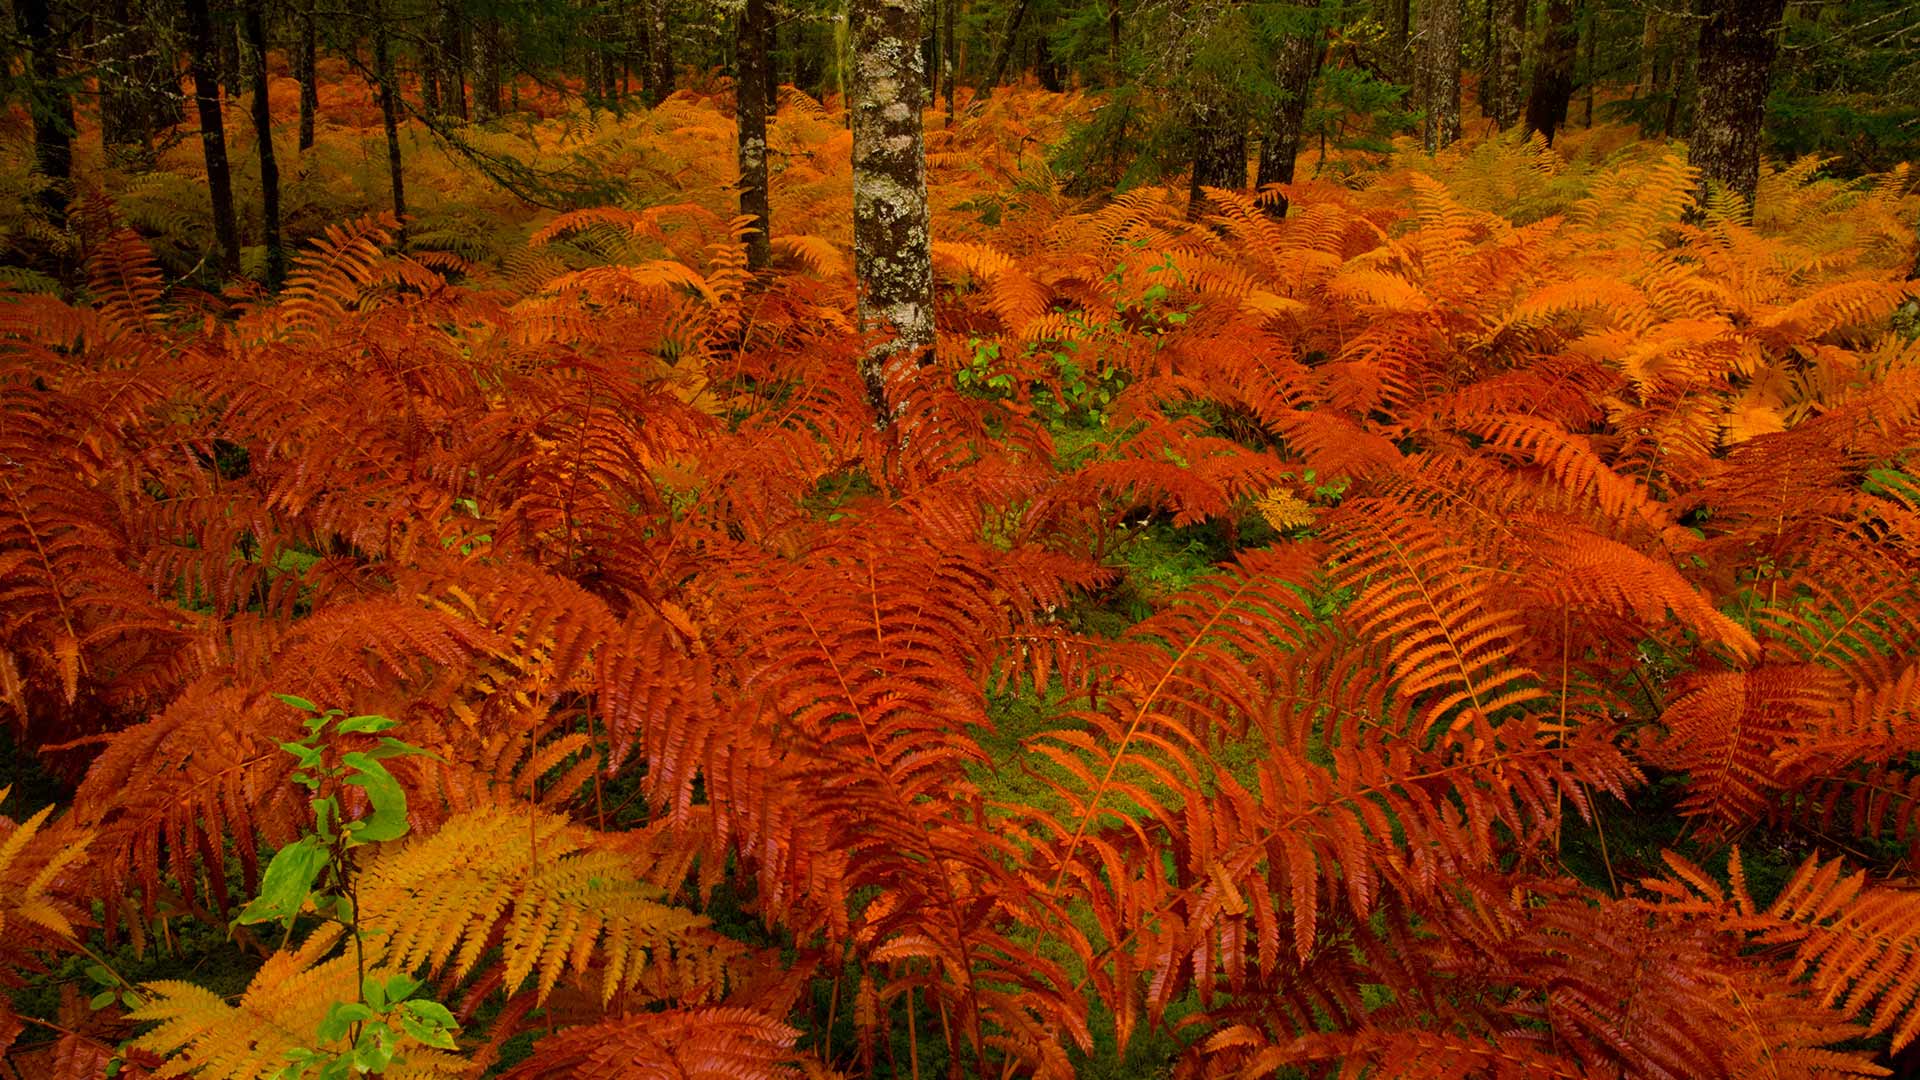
(307, 66)
(1737, 47)
(1401, 59)
(486, 69)
(750, 110)
(1509, 30)
(659, 54)
(1553, 70)
(213, 136)
(254, 22)
(949, 58)
(1439, 73)
(453, 63)
(1219, 155)
(390, 116)
(1294, 68)
(1004, 54)
(51, 104)
(891, 247)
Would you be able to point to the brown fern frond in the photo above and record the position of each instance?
(716, 1043)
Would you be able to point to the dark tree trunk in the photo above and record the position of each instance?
(1399, 24)
(1735, 69)
(254, 22)
(390, 117)
(750, 110)
(659, 54)
(308, 71)
(950, 60)
(891, 252)
(453, 52)
(1004, 54)
(1294, 69)
(51, 104)
(486, 69)
(213, 136)
(126, 123)
(1553, 70)
(1219, 155)
(226, 30)
(1509, 30)
(1438, 81)
(1593, 49)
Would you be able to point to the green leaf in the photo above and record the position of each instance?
(342, 1017)
(298, 702)
(354, 725)
(430, 1011)
(288, 880)
(392, 748)
(101, 1000)
(374, 993)
(389, 818)
(401, 987)
(428, 1033)
(99, 974)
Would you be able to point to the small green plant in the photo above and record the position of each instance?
(318, 869)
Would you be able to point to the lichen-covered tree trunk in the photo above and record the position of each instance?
(1553, 70)
(1294, 67)
(750, 111)
(201, 57)
(253, 21)
(1736, 65)
(1439, 73)
(891, 252)
(1509, 30)
(659, 53)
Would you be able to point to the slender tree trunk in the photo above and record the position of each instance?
(390, 116)
(1737, 47)
(1004, 54)
(1439, 73)
(486, 69)
(750, 109)
(1592, 42)
(308, 65)
(659, 54)
(950, 60)
(51, 104)
(1510, 27)
(891, 246)
(254, 21)
(1399, 23)
(201, 54)
(1553, 70)
(226, 31)
(1294, 69)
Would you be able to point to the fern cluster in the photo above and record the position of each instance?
(1532, 517)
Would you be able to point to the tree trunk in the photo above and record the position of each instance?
(950, 59)
(51, 104)
(307, 66)
(1438, 80)
(486, 69)
(453, 64)
(891, 252)
(213, 136)
(1510, 28)
(1553, 70)
(254, 22)
(1294, 68)
(390, 116)
(659, 54)
(1736, 65)
(1219, 155)
(1004, 54)
(1593, 47)
(750, 110)
(126, 128)
(1400, 55)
